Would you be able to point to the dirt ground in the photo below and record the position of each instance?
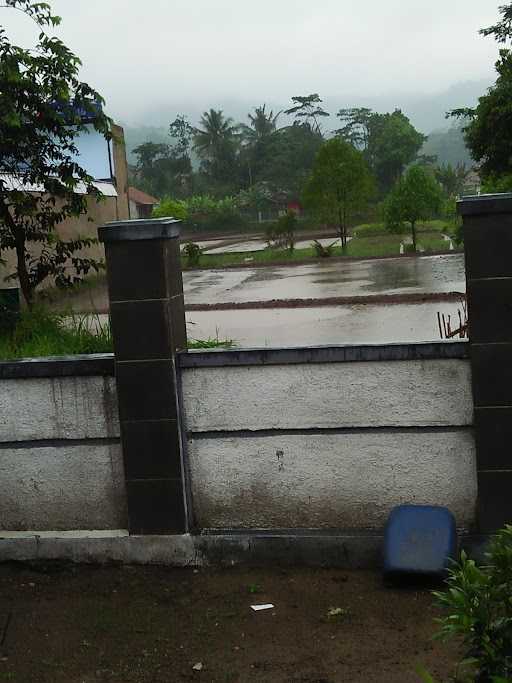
(155, 624)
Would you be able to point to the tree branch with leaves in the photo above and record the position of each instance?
(43, 108)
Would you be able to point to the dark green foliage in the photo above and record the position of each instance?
(479, 605)
(239, 157)
(290, 156)
(159, 172)
(488, 127)
(497, 183)
(502, 31)
(394, 144)
(41, 107)
(389, 142)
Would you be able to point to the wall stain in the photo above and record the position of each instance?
(280, 462)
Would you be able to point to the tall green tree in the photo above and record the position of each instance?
(357, 126)
(181, 132)
(307, 111)
(43, 108)
(416, 196)
(394, 144)
(339, 186)
(289, 158)
(488, 127)
(150, 169)
(389, 141)
(166, 168)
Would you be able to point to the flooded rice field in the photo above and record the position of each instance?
(350, 323)
(327, 279)
(347, 324)
(354, 324)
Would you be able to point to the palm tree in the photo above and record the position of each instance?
(216, 133)
(262, 125)
(255, 138)
(215, 143)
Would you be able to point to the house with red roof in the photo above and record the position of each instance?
(141, 204)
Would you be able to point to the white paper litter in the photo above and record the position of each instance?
(258, 608)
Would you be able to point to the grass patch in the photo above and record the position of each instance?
(41, 333)
(210, 343)
(385, 244)
(374, 229)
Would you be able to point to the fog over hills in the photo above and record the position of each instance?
(427, 112)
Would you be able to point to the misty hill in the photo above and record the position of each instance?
(427, 113)
(448, 146)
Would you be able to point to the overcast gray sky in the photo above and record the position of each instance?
(146, 54)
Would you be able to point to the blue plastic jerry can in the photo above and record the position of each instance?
(419, 539)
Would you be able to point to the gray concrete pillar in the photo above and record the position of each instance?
(487, 225)
(148, 326)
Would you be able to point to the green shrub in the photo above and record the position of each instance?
(376, 229)
(370, 230)
(479, 605)
(193, 253)
(171, 208)
(207, 214)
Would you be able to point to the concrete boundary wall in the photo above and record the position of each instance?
(329, 437)
(60, 458)
(292, 455)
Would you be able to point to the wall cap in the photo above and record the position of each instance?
(323, 354)
(473, 205)
(140, 229)
(103, 363)
(58, 366)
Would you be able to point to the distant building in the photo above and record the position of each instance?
(106, 163)
(141, 204)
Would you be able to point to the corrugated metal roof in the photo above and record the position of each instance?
(13, 182)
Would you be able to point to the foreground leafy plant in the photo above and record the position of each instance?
(479, 605)
(323, 252)
(44, 108)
